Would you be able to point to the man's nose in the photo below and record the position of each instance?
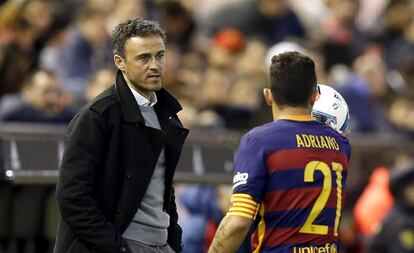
(154, 64)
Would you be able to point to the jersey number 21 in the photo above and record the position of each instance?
(309, 227)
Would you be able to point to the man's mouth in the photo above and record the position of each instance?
(154, 76)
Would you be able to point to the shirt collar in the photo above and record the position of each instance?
(143, 101)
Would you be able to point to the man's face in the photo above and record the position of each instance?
(409, 194)
(273, 8)
(44, 93)
(143, 65)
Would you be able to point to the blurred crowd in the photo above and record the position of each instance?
(55, 56)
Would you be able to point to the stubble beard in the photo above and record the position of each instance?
(147, 87)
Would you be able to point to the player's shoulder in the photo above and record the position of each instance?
(259, 132)
(341, 138)
(343, 142)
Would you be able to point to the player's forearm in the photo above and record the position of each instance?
(229, 235)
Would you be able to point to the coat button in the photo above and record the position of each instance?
(118, 211)
(128, 175)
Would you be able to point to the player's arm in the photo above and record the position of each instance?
(230, 234)
(249, 179)
(235, 225)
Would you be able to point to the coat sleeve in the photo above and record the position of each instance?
(82, 158)
(174, 231)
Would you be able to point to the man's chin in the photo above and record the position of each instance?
(155, 86)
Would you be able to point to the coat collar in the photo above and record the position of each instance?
(130, 108)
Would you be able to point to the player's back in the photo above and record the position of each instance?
(296, 173)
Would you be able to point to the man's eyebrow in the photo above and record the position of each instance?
(149, 54)
(143, 54)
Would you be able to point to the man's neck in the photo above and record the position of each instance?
(279, 113)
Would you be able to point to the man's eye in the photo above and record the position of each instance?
(143, 58)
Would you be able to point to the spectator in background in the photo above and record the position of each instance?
(246, 91)
(368, 19)
(172, 65)
(227, 47)
(100, 81)
(16, 53)
(42, 100)
(402, 47)
(123, 10)
(206, 206)
(50, 57)
(203, 216)
(339, 36)
(396, 233)
(233, 81)
(374, 203)
(39, 14)
(401, 108)
(269, 20)
(356, 91)
(365, 89)
(106, 6)
(179, 24)
(25, 27)
(87, 50)
(397, 16)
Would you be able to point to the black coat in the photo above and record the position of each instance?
(110, 156)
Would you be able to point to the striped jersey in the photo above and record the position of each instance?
(290, 174)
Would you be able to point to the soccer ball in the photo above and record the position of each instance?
(331, 108)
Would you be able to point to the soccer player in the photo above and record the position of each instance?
(289, 174)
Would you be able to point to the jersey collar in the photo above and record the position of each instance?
(299, 118)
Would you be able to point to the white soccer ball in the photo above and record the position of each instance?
(331, 108)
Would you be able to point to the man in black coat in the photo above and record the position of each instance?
(115, 189)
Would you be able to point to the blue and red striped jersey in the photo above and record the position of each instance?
(290, 175)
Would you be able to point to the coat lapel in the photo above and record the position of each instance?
(129, 106)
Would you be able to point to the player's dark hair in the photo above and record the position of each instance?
(132, 28)
(292, 78)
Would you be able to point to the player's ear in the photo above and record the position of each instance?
(268, 96)
(119, 62)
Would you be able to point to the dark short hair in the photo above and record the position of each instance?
(132, 28)
(292, 78)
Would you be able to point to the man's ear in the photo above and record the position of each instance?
(119, 62)
(268, 96)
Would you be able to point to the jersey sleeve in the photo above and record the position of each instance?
(249, 178)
